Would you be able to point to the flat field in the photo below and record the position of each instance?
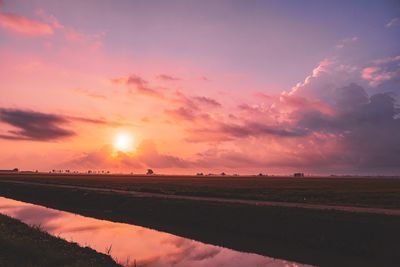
(378, 192)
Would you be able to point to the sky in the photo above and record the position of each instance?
(200, 86)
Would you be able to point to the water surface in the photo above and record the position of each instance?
(128, 243)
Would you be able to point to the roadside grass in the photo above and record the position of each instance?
(23, 245)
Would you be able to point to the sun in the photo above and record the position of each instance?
(123, 142)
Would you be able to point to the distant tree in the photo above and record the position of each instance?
(199, 174)
(15, 170)
(223, 174)
(260, 174)
(149, 172)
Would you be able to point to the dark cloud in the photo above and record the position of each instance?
(367, 128)
(37, 126)
(231, 131)
(33, 125)
(259, 129)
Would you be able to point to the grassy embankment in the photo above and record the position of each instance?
(327, 238)
(22, 245)
(364, 192)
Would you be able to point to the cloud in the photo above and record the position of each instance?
(168, 78)
(203, 100)
(222, 131)
(383, 73)
(89, 94)
(142, 86)
(346, 41)
(24, 25)
(329, 121)
(33, 125)
(357, 123)
(37, 126)
(182, 113)
(145, 156)
(325, 78)
(191, 109)
(393, 23)
(96, 121)
(148, 155)
(71, 35)
(254, 129)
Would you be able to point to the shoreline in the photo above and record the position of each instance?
(25, 245)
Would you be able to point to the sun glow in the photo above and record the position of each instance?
(123, 142)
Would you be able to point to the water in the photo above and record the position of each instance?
(127, 243)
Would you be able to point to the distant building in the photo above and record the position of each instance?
(298, 174)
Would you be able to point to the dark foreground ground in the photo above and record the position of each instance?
(326, 238)
(22, 245)
(377, 192)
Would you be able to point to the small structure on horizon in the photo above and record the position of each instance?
(298, 174)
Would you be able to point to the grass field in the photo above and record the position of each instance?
(327, 238)
(365, 192)
(22, 245)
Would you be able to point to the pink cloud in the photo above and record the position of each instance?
(24, 25)
(375, 75)
(141, 85)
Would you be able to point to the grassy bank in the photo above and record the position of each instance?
(22, 245)
(326, 238)
(364, 192)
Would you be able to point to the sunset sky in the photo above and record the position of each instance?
(200, 86)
